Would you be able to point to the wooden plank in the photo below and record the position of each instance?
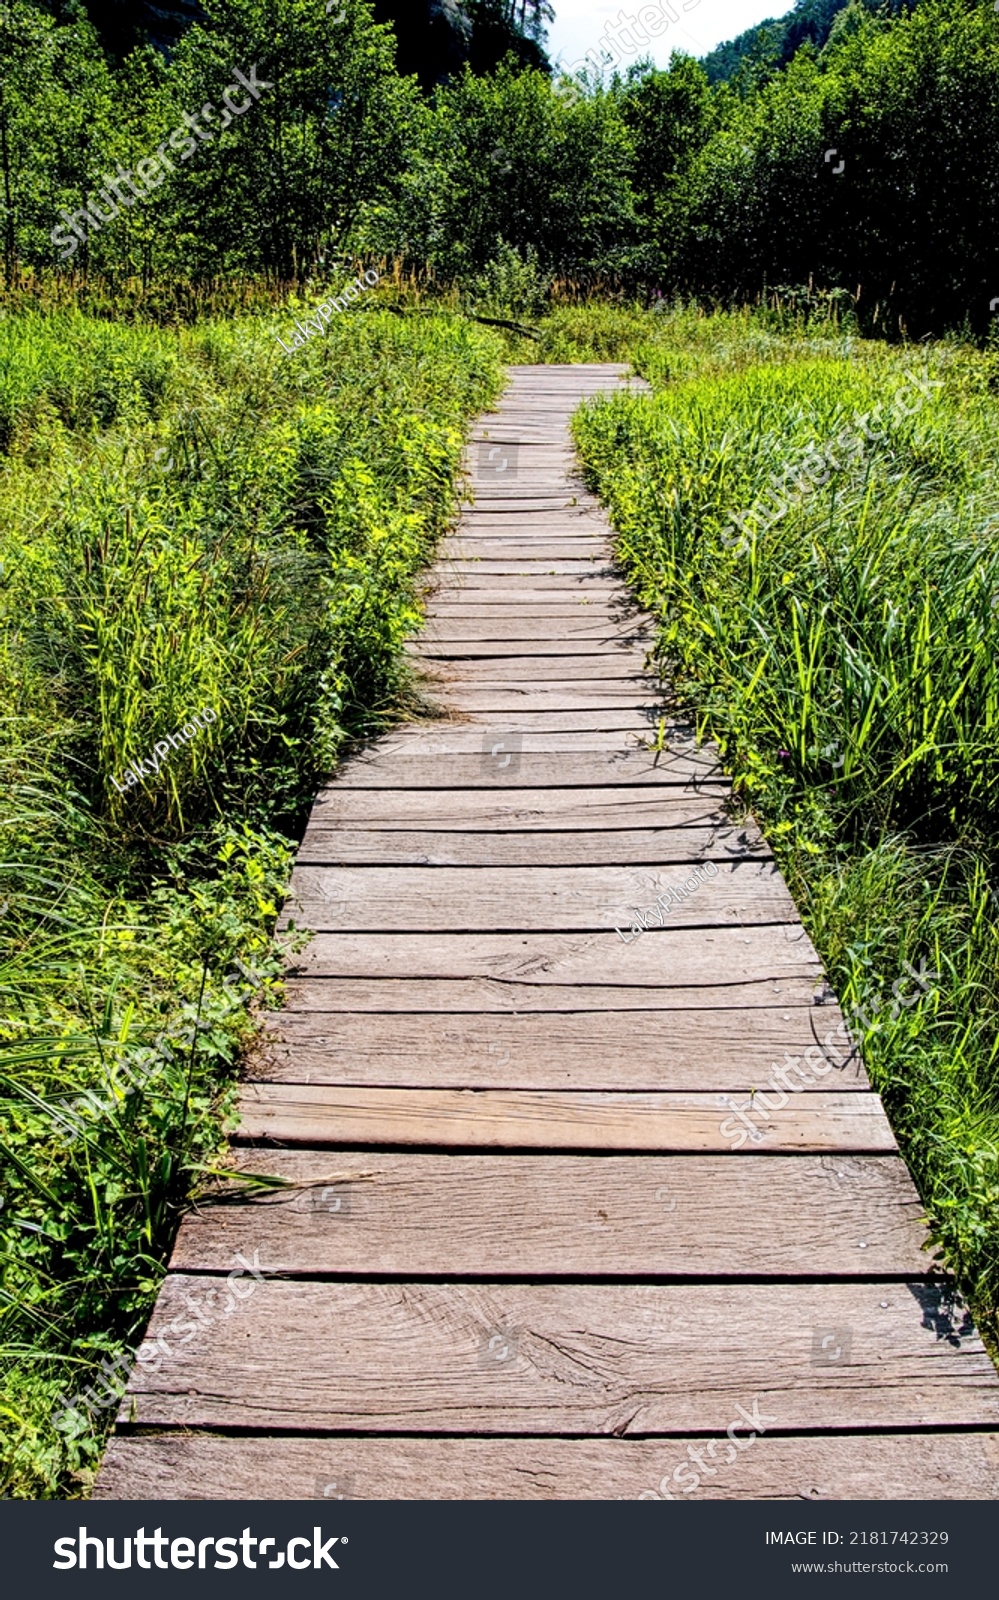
(638, 721)
(663, 958)
(370, 993)
(578, 630)
(841, 1467)
(624, 651)
(604, 672)
(497, 899)
(470, 738)
(555, 700)
(525, 567)
(682, 1217)
(509, 1119)
(688, 1050)
(501, 516)
(550, 601)
(607, 847)
(515, 586)
(467, 548)
(512, 508)
(591, 1358)
(633, 774)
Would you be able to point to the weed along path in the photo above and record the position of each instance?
(589, 1197)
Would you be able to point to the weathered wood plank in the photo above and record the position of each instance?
(663, 958)
(586, 1358)
(623, 651)
(638, 722)
(571, 598)
(614, 672)
(555, 701)
(513, 635)
(473, 583)
(607, 671)
(701, 1050)
(467, 547)
(509, 1119)
(568, 1216)
(860, 1466)
(589, 774)
(497, 899)
(474, 738)
(534, 568)
(369, 993)
(495, 847)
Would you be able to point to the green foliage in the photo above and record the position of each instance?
(189, 519)
(502, 162)
(909, 222)
(842, 651)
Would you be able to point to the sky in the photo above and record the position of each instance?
(579, 23)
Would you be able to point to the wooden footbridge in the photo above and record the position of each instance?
(526, 1253)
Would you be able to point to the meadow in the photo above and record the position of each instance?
(190, 519)
(844, 654)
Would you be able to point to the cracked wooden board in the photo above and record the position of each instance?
(663, 958)
(517, 810)
(531, 848)
(362, 1212)
(693, 1050)
(815, 1466)
(555, 771)
(388, 899)
(581, 1358)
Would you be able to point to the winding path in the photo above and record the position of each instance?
(523, 1257)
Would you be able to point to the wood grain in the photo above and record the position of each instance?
(580, 1358)
(706, 1050)
(603, 847)
(661, 959)
(496, 548)
(864, 1466)
(540, 1184)
(510, 996)
(554, 772)
(662, 807)
(689, 1217)
(314, 1114)
(624, 669)
(500, 899)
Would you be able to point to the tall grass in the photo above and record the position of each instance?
(845, 656)
(190, 519)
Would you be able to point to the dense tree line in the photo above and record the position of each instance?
(863, 166)
(772, 44)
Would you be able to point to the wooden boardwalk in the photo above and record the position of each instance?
(523, 1257)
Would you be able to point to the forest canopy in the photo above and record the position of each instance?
(855, 166)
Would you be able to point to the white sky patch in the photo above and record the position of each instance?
(579, 23)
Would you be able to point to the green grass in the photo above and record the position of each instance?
(190, 519)
(845, 656)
